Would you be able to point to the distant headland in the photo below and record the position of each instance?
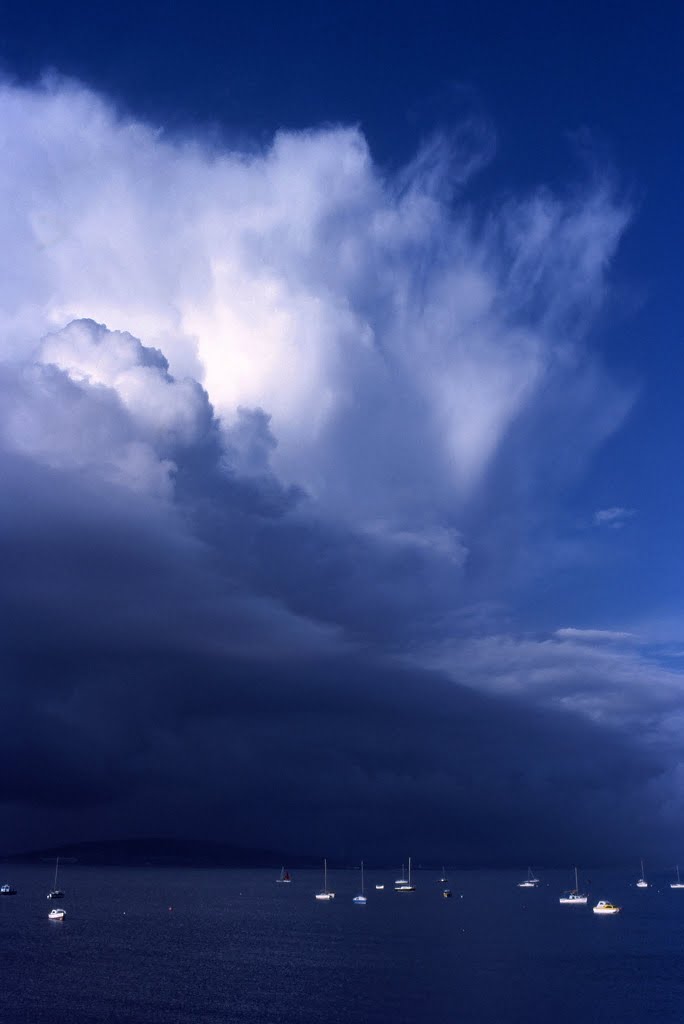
(158, 852)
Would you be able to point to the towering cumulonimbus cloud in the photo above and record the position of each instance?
(277, 430)
(393, 335)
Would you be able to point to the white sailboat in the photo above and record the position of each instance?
(574, 896)
(530, 882)
(361, 898)
(642, 883)
(55, 893)
(285, 877)
(404, 884)
(325, 894)
(678, 884)
(444, 875)
(403, 880)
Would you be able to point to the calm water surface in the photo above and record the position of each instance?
(186, 946)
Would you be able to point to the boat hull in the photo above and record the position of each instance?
(605, 908)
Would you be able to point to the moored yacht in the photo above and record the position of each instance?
(642, 883)
(574, 895)
(361, 898)
(55, 893)
(7, 890)
(678, 884)
(325, 894)
(57, 914)
(530, 882)
(404, 884)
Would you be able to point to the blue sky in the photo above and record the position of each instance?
(340, 357)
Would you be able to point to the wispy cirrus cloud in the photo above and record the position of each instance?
(614, 517)
(594, 635)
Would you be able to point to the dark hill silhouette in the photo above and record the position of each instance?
(158, 852)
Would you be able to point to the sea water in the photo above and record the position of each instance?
(184, 946)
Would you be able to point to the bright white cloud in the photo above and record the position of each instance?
(392, 340)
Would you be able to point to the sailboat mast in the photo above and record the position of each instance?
(56, 870)
(576, 883)
(409, 878)
(362, 889)
(325, 875)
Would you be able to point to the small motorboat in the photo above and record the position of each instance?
(604, 907)
(447, 894)
(7, 890)
(379, 887)
(57, 914)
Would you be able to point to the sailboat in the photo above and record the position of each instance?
(574, 896)
(642, 883)
(678, 884)
(55, 893)
(403, 880)
(284, 877)
(361, 898)
(404, 884)
(530, 882)
(444, 875)
(325, 894)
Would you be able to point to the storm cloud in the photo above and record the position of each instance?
(281, 436)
